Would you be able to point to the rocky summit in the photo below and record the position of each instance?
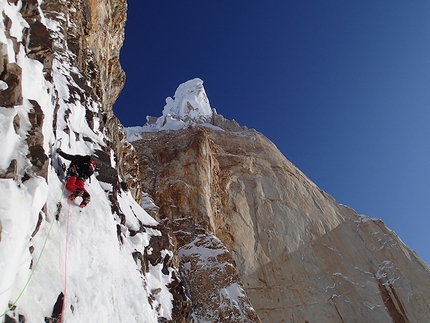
(192, 217)
(298, 254)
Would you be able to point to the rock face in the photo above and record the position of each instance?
(59, 77)
(94, 32)
(299, 255)
(253, 238)
(207, 267)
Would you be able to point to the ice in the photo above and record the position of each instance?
(190, 101)
(190, 105)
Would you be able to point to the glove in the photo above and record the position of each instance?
(58, 150)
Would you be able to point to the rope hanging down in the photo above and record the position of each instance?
(65, 264)
(57, 213)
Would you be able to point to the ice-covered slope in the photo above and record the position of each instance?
(102, 257)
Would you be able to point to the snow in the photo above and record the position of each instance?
(205, 256)
(3, 85)
(364, 218)
(387, 269)
(81, 253)
(189, 106)
(19, 210)
(16, 28)
(99, 270)
(234, 292)
(203, 251)
(211, 126)
(134, 212)
(10, 142)
(190, 100)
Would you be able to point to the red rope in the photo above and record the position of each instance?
(65, 263)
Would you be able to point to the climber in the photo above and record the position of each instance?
(81, 168)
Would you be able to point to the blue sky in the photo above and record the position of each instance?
(341, 87)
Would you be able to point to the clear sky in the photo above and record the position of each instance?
(341, 87)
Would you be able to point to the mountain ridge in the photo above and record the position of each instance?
(299, 253)
(236, 232)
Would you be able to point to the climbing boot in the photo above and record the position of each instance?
(76, 193)
(85, 200)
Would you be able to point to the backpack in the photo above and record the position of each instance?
(85, 165)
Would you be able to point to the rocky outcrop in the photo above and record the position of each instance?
(207, 266)
(11, 93)
(300, 256)
(59, 77)
(210, 275)
(94, 32)
(37, 156)
(218, 120)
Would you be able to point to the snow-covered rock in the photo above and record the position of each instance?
(189, 106)
(111, 261)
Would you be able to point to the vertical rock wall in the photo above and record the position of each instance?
(179, 174)
(94, 32)
(301, 256)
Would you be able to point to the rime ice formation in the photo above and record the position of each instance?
(190, 102)
(190, 105)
